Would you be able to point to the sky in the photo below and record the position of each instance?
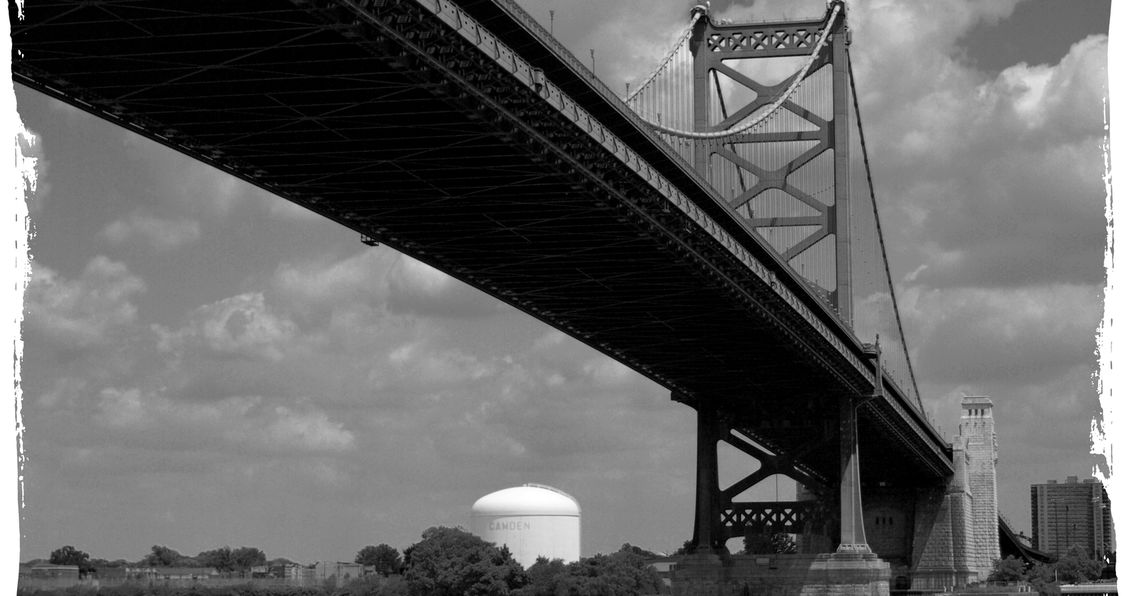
(205, 364)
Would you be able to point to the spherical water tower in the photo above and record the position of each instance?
(532, 520)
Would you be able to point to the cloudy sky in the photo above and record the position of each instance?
(207, 365)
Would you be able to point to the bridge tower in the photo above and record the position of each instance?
(788, 178)
(786, 174)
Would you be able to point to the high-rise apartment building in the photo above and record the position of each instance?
(1069, 513)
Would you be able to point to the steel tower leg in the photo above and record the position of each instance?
(841, 215)
(701, 66)
(707, 537)
(852, 538)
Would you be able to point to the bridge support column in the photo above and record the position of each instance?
(707, 538)
(852, 537)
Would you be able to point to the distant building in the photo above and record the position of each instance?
(340, 570)
(291, 571)
(118, 573)
(664, 567)
(49, 571)
(171, 574)
(44, 576)
(1072, 513)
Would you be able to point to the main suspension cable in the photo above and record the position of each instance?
(685, 36)
(762, 116)
(879, 230)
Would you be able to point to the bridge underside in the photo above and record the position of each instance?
(436, 151)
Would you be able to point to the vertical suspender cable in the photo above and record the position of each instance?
(882, 245)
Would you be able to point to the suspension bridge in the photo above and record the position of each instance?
(713, 227)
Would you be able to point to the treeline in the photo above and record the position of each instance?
(250, 589)
(446, 562)
(1075, 567)
(224, 559)
(450, 561)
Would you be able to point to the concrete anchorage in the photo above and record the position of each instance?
(956, 528)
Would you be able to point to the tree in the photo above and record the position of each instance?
(647, 555)
(624, 573)
(381, 557)
(1041, 577)
(1076, 566)
(453, 562)
(1009, 569)
(767, 542)
(369, 585)
(247, 557)
(685, 549)
(544, 573)
(161, 556)
(221, 559)
(69, 555)
(106, 563)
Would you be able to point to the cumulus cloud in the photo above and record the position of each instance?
(86, 311)
(245, 423)
(379, 278)
(608, 372)
(419, 289)
(290, 211)
(311, 430)
(32, 149)
(325, 283)
(237, 326)
(998, 336)
(187, 184)
(998, 181)
(157, 233)
(428, 368)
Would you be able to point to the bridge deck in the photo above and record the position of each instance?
(391, 124)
